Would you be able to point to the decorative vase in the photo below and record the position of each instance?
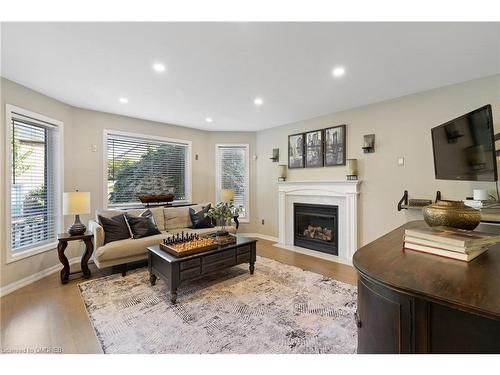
(221, 223)
(451, 214)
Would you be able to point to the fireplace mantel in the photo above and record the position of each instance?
(344, 194)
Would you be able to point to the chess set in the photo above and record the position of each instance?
(182, 244)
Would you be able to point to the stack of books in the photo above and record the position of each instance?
(447, 242)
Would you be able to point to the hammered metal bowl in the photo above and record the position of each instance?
(451, 214)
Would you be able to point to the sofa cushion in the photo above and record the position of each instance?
(156, 211)
(178, 217)
(115, 228)
(127, 248)
(199, 219)
(143, 225)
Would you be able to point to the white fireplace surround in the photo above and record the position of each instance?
(343, 194)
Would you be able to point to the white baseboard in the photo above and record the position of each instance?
(261, 236)
(35, 277)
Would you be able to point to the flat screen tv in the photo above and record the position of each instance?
(464, 148)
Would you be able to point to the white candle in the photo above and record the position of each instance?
(282, 171)
(352, 167)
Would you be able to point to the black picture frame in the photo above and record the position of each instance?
(313, 149)
(296, 151)
(334, 139)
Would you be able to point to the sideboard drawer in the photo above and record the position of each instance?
(190, 263)
(216, 257)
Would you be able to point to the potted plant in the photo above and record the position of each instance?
(221, 214)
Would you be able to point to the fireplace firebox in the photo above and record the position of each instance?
(316, 227)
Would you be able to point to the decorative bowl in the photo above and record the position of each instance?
(451, 214)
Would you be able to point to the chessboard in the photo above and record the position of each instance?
(183, 245)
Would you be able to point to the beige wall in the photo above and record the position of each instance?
(83, 168)
(402, 128)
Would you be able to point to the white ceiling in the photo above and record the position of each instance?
(217, 69)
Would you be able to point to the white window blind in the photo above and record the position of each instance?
(138, 166)
(232, 173)
(33, 194)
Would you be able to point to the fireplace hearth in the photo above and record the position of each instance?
(316, 227)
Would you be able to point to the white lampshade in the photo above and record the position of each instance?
(76, 203)
(227, 195)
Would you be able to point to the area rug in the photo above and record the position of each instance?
(279, 309)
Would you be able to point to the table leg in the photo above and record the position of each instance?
(173, 296)
(89, 249)
(173, 281)
(61, 246)
(152, 278)
(252, 268)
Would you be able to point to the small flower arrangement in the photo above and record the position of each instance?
(222, 213)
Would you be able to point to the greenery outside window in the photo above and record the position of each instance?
(138, 165)
(34, 210)
(232, 172)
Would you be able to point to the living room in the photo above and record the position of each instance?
(169, 187)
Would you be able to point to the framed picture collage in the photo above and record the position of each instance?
(317, 148)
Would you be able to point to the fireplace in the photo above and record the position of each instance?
(316, 227)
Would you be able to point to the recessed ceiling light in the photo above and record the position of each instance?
(258, 101)
(123, 100)
(209, 119)
(338, 71)
(159, 67)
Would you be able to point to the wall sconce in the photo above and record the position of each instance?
(352, 169)
(276, 155)
(282, 172)
(368, 143)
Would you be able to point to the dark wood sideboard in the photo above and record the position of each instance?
(410, 302)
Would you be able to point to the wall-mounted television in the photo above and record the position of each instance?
(464, 148)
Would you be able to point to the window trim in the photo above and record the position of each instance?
(10, 111)
(189, 164)
(247, 175)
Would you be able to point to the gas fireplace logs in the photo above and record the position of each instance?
(319, 233)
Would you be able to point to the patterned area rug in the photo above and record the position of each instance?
(279, 309)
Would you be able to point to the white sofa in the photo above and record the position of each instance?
(171, 220)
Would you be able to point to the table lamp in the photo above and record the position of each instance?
(76, 203)
(227, 195)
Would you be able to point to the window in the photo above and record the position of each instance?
(34, 168)
(139, 165)
(232, 172)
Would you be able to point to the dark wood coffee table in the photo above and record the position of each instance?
(175, 270)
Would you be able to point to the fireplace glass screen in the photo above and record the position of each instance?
(316, 226)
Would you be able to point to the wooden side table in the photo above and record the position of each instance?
(63, 239)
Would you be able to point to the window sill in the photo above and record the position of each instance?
(139, 205)
(244, 221)
(11, 258)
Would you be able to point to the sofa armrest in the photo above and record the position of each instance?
(98, 233)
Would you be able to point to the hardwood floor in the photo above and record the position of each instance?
(49, 314)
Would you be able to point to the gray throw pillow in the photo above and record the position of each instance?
(115, 228)
(142, 226)
(198, 218)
